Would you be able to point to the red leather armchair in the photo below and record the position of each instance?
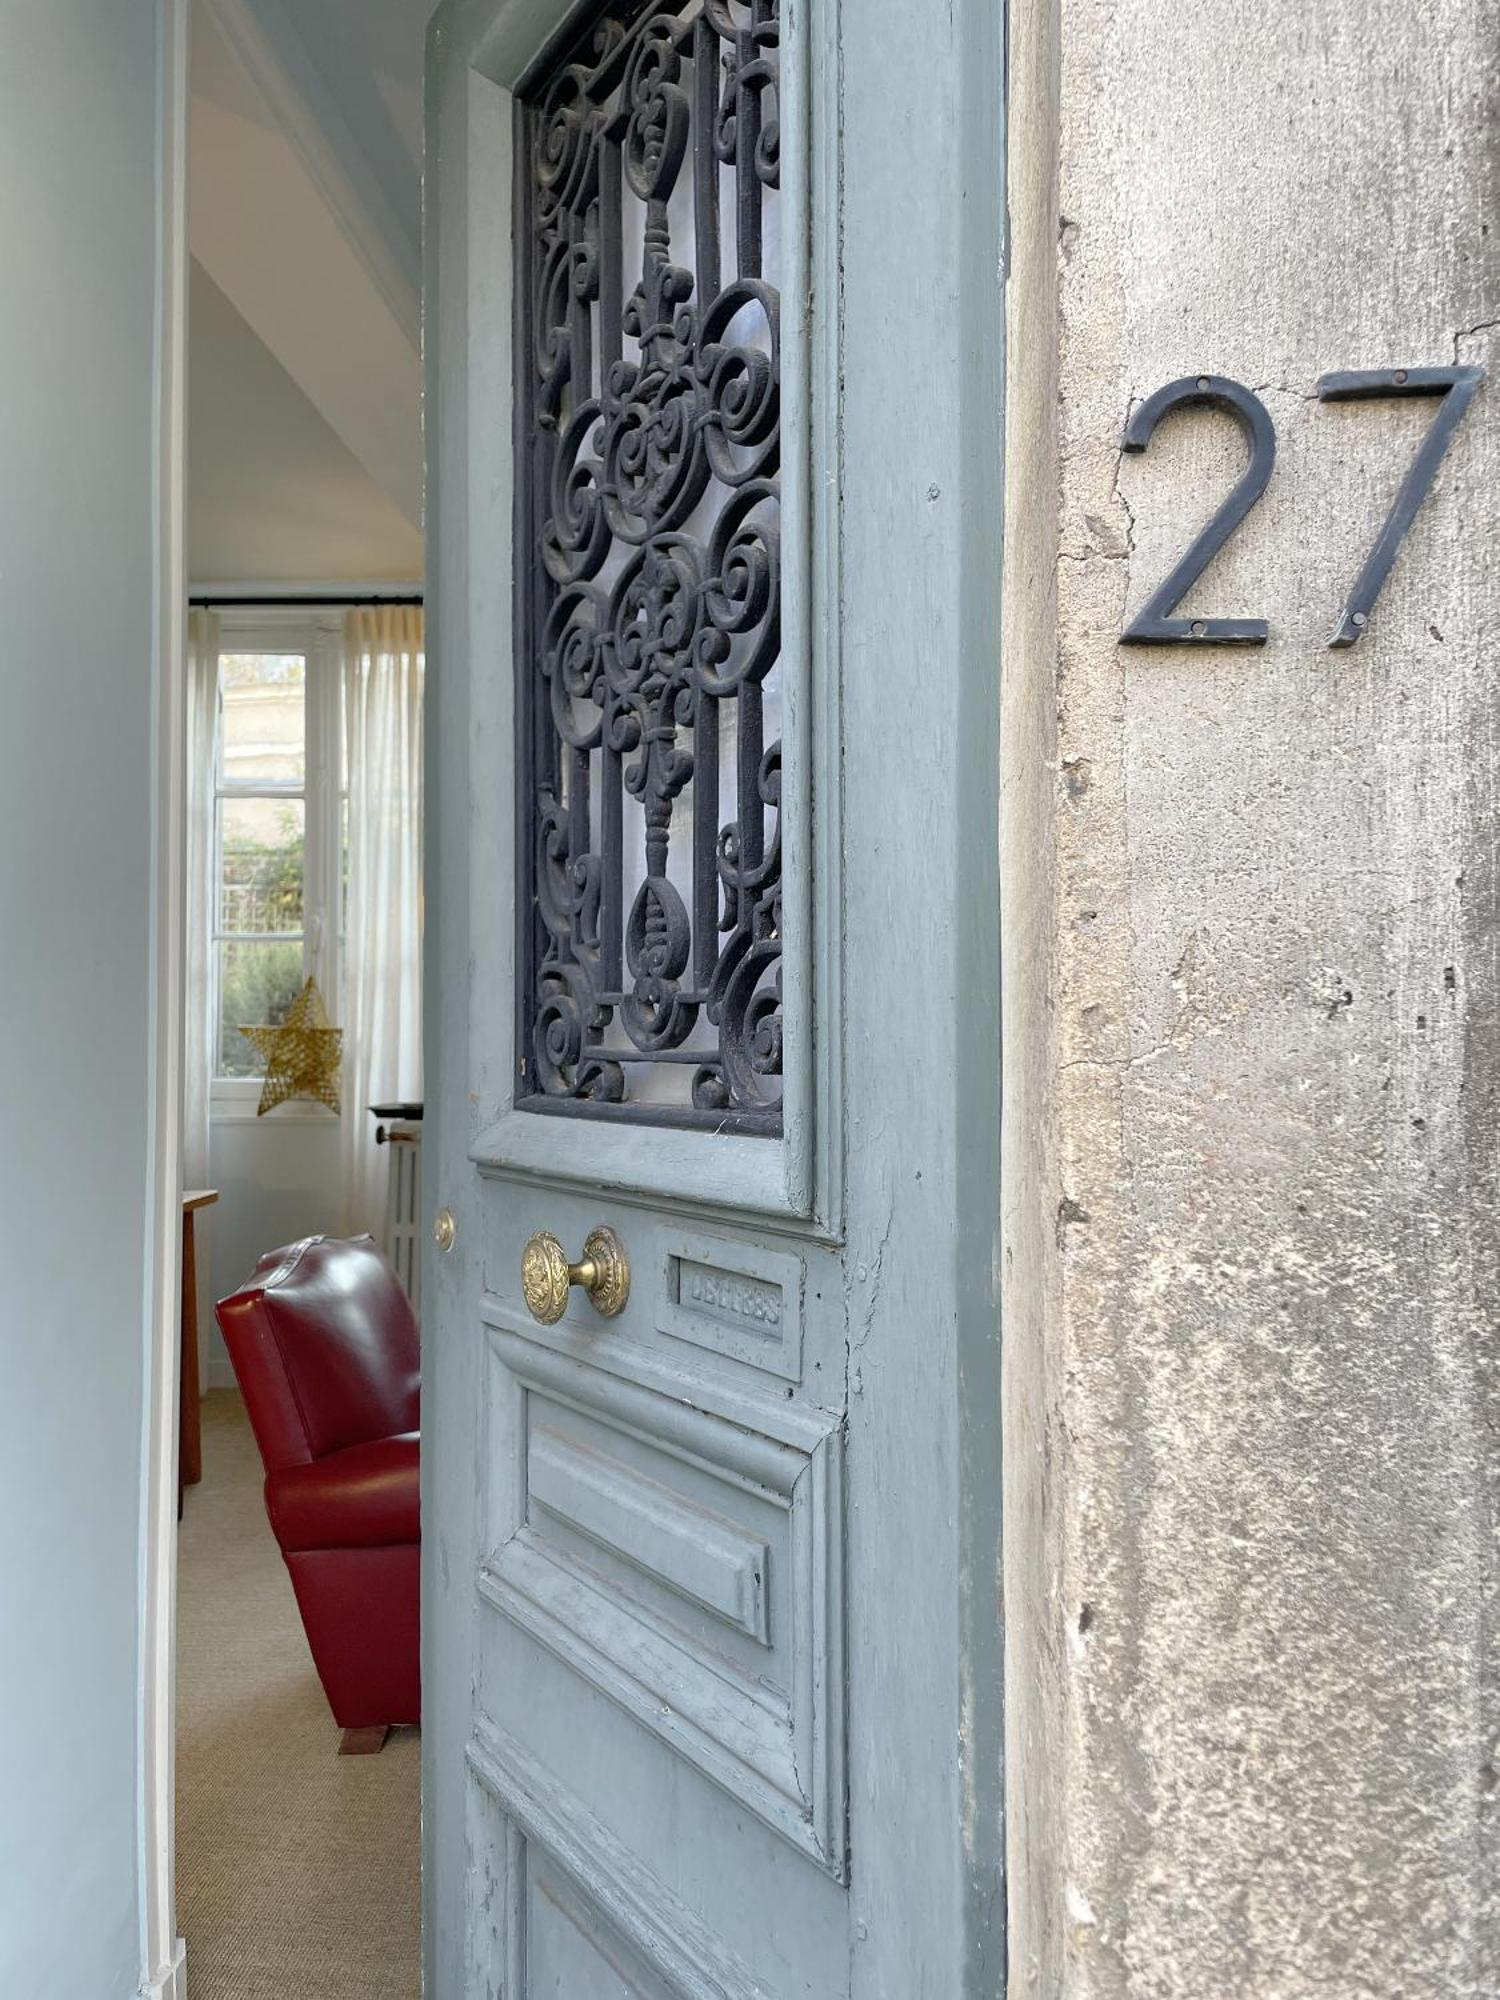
(324, 1346)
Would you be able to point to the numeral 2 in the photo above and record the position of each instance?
(1154, 624)
(1456, 387)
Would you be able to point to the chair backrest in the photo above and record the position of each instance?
(324, 1346)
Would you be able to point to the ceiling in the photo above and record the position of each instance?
(274, 494)
(304, 345)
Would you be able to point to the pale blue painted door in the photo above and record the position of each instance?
(712, 1615)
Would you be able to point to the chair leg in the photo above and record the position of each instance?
(363, 1742)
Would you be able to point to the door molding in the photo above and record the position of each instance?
(162, 1951)
(782, 1760)
(642, 1911)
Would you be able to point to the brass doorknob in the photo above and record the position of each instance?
(603, 1271)
(444, 1229)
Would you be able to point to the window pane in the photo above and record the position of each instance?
(261, 852)
(263, 706)
(258, 981)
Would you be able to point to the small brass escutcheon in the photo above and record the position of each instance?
(603, 1271)
(444, 1229)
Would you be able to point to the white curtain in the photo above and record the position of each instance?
(383, 674)
(199, 1026)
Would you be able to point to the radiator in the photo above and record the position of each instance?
(402, 1138)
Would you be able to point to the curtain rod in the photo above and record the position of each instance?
(297, 603)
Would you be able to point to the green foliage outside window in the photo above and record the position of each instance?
(259, 978)
(261, 880)
(258, 983)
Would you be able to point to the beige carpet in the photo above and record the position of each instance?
(297, 1869)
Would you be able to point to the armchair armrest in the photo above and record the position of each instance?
(363, 1497)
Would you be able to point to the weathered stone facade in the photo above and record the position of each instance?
(1253, 1035)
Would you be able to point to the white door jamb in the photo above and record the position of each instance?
(163, 1974)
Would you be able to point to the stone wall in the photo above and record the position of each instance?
(1253, 1018)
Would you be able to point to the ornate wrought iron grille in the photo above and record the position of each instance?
(648, 595)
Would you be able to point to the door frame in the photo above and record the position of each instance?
(923, 1263)
(163, 1952)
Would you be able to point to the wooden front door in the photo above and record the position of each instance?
(711, 1519)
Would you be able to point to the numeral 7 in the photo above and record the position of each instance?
(1456, 387)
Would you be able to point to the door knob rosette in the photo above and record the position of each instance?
(603, 1272)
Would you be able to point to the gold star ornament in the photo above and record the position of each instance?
(302, 1056)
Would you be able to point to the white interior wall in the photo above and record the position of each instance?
(278, 1179)
(78, 204)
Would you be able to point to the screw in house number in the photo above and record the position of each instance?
(1154, 624)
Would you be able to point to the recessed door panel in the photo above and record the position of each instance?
(601, 1508)
(571, 1952)
(558, 1906)
(685, 1564)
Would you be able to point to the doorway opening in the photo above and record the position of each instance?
(296, 1859)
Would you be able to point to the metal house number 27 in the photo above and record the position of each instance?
(1155, 625)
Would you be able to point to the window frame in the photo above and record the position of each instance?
(317, 635)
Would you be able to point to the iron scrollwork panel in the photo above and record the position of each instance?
(649, 569)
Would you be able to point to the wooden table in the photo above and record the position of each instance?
(190, 1389)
